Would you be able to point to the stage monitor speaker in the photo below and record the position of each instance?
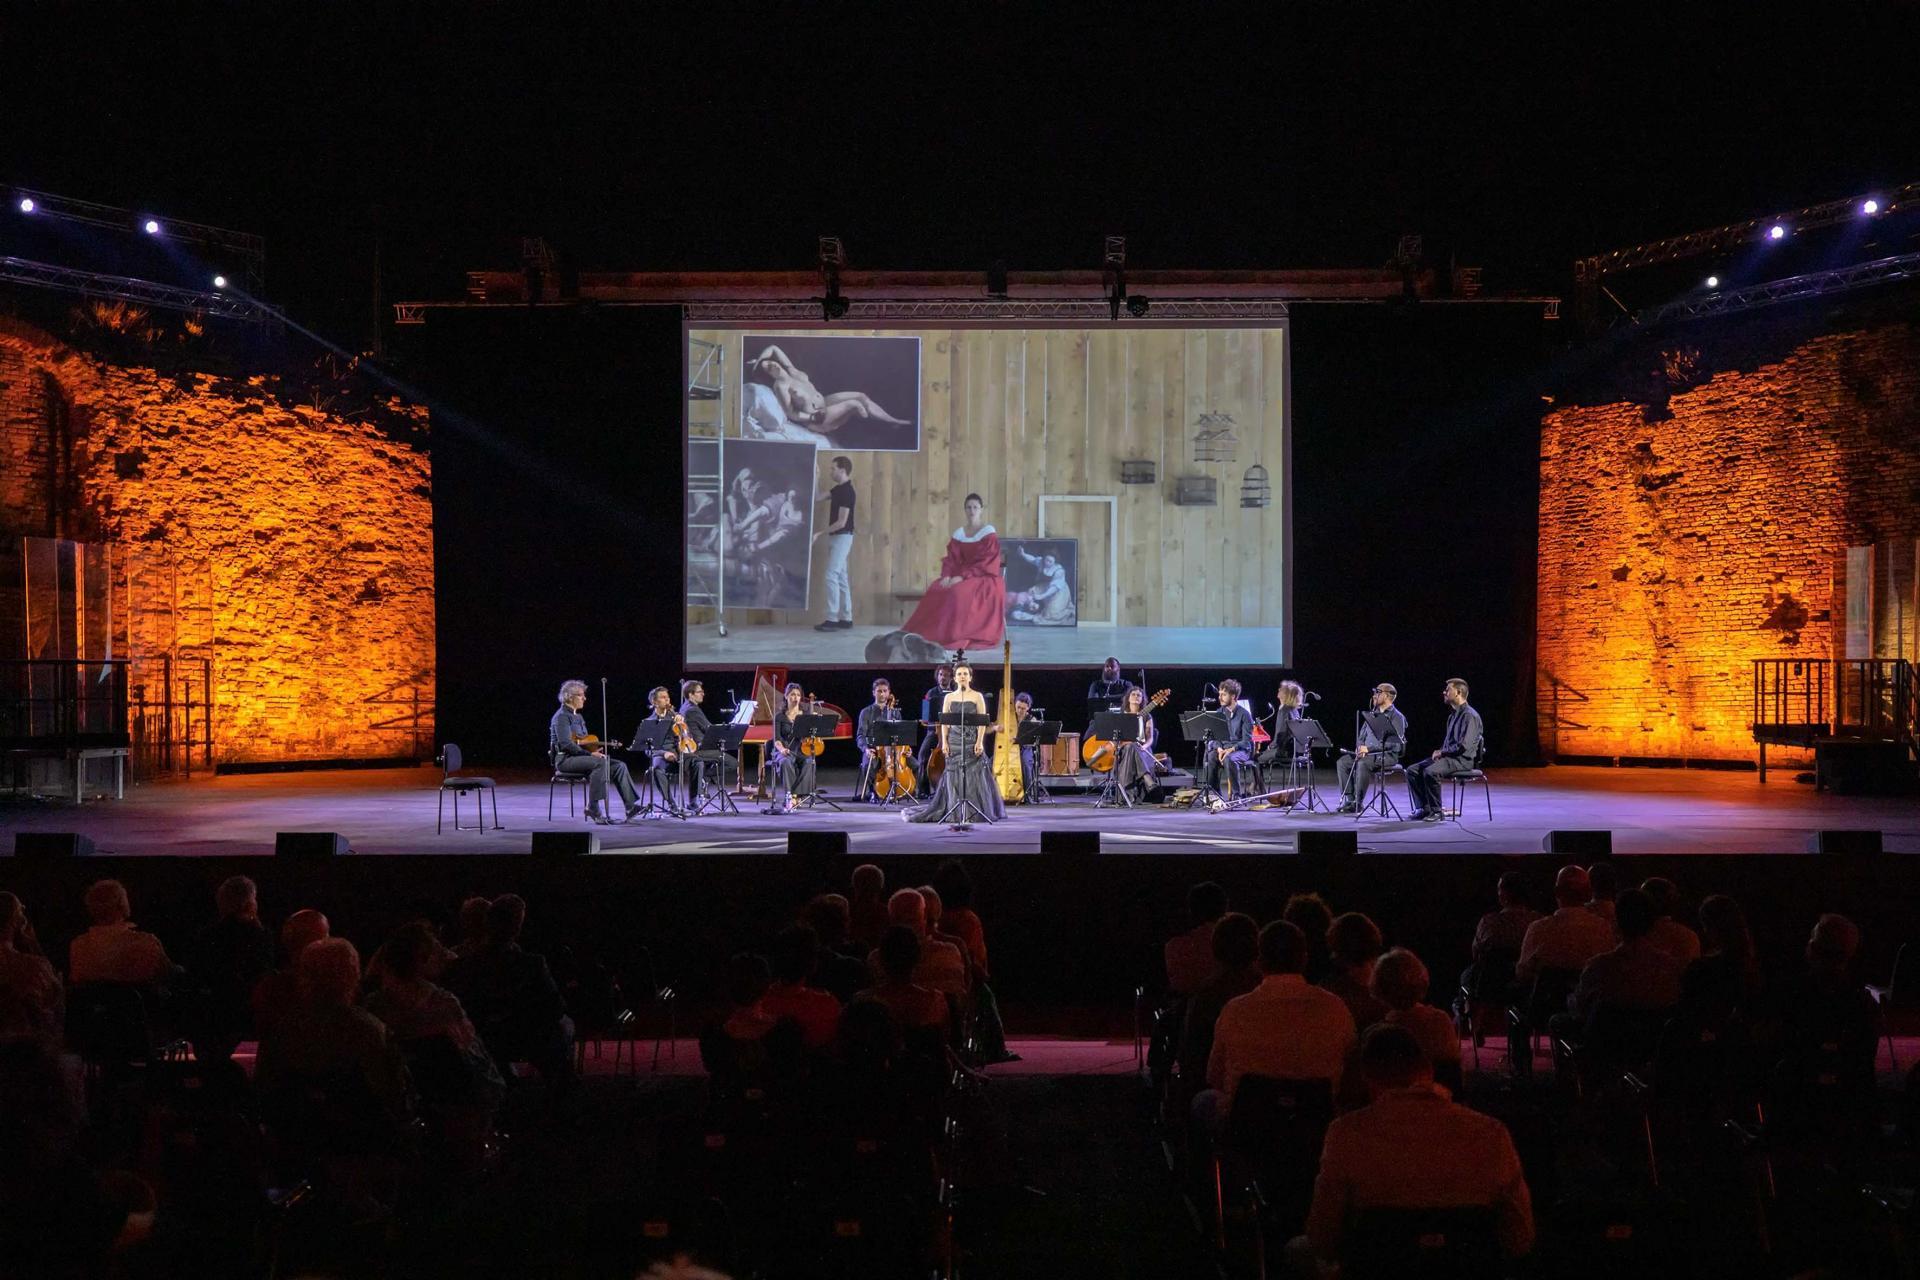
(819, 844)
(309, 844)
(1582, 844)
(48, 845)
(565, 844)
(1329, 846)
(1855, 842)
(1073, 844)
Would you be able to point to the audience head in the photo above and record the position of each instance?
(107, 902)
(473, 919)
(1635, 913)
(1206, 902)
(1309, 913)
(829, 915)
(302, 929)
(1834, 943)
(1664, 892)
(237, 898)
(931, 896)
(1390, 1058)
(506, 916)
(869, 883)
(411, 952)
(329, 971)
(1400, 980)
(1283, 948)
(899, 953)
(1571, 888)
(955, 885)
(796, 951)
(907, 907)
(13, 918)
(1724, 926)
(1512, 890)
(1603, 881)
(1236, 941)
(1354, 939)
(747, 979)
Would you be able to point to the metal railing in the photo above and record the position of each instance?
(1798, 699)
(170, 716)
(59, 703)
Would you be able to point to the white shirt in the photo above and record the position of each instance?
(1567, 939)
(1282, 1028)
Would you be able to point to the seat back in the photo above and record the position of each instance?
(1625, 1038)
(450, 760)
(107, 1023)
(1551, 987)
(1491, 978)
(1407, 1244)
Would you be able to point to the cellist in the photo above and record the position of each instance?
(883, 707)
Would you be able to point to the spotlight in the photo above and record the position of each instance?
(1776, 232)
(151, 227)
(1137, 305)
(26, 204)
(1713, 282)
(219, 282)
(1870, 207)
(834, 305)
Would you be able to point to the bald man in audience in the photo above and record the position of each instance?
(279, 991)
(112, 949)
(941, 966)
(1569, 937)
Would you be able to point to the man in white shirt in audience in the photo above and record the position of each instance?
(941, 967)
(1569, 937)
(112, 950)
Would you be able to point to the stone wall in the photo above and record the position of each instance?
(292, 546)
(1686, 533)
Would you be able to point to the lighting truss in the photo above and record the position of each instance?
(984, 310)
(1674, 248)
(243, 247)
(1817, 284)
(94, 284)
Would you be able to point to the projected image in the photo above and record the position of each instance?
(850, 392)
(885, 498)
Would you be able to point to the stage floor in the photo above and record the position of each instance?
(391, 811)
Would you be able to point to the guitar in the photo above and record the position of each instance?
(1100, 754)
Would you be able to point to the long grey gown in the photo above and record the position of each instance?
(966, 775)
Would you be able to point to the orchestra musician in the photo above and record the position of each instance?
(793, 771)
(704, 765)
(1458, 751)
(573, 756)
(931, 703)
(1134, 767)
(1290, 706)
(1030, 754)
(663, 763)
(1235, 753)
(1111, 683)
(883, 707)
(1372, 753)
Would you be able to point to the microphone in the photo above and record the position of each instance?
(1313, 696)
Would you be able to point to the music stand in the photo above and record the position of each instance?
(894, 733)
(724, 740)
(652, 736)
(1036, 733)
(1200, 727)
(1308, 737)
(958, 803)
(1119, 728)
(1099, 706)
(816, 725)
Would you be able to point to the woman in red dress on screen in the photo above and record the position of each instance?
(965, 607)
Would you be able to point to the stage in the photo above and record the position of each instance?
(391, 811)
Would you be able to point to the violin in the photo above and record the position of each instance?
(682, 735)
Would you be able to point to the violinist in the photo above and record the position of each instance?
(701, 766)
(883, 707)
(663, 764)
(793, 770)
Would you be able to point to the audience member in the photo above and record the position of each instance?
(1310, 914)
(869, 919)
(473, 926)
(1401, 982)
(1505, 928)
(936, 925)
(279, 991)
(1411, 1148)
(457, 1078)
(1603, 887)
(511, 996)
(1726, 978)
(1283, 1028)
(112, 950)
(1669, 934)
(746, 1048)
(912, 1005)
(228, 961)
(841, 967)
(1828, 1013)
(324, 1041)
(941, 965)
(1569, 937)
(796, 957)
(1354, 943)
(1189, 955)
(32, 1004)
(1638, 974)
(960, 920)
(1236, 955)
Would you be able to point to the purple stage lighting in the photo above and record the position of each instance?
(1776, 232)
(1870, 207)
(26, 204)
(151, 227)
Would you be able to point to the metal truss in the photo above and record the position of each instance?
(807, 311)
(1674, 248)
(94, 284)
(248, 250)
(1818, 284)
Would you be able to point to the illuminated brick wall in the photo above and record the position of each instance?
(293, 547)
(1678, 544)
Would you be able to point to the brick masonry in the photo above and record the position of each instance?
(1685, 533)
(293, 547)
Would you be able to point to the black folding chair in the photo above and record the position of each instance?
(451, 779)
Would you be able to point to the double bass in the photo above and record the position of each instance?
(893, 775)
(1100, 754)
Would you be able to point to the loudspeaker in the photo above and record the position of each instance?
(1858, 843)
(1077, 844)
(564, 844)
(51, 844)
(1583, 844)
(309, 844)
(1328, 845)
(818, 844)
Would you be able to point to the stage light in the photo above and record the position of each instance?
(1776, 232)
(1137, 305)
(219, 282)
(26, 204)
(1870, 207)
(151, 227)
(1713, 282)
(834, 305)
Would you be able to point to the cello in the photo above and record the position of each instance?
(893, 775)
(1100, 754)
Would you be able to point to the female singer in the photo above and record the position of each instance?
(793, 772)
(1135, 765)
(965, 607)
(969, 773)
